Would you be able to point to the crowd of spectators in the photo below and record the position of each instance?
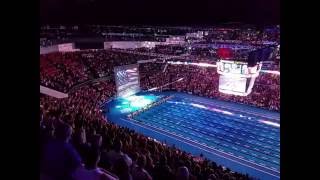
(61, 71)
(102, 62)
(204, 81)
(170, 49)
(245, 34)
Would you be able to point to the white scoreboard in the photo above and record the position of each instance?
(236, 77)
(232, 84)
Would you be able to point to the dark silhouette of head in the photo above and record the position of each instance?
(182, 173)
(63, 132)
(135, 157)
(121, 168)
(142, 161)
(93, 158)
(213, 177)
(118, 146)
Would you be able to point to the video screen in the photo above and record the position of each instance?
(232, 84)
(233, 68)
(127, 80)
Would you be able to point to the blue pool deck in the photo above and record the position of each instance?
(243, 138)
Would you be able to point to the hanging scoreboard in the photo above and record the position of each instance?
(236, 77)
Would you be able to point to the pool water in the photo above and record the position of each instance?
(243, 138)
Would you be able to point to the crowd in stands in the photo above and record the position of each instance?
(111, 33)
(61, 71)
(205, 82)
(170, 49)
(245, 34)
(102, 62)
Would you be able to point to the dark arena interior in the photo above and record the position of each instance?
(173, 99)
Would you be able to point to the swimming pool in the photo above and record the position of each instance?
(240, 137)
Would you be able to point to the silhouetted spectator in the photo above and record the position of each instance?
(60, 159)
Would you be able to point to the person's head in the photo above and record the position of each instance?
(121, 166)
(118, 145)
(212, 177)
(183, 173)
(188, 164)
(226, 177)
(197, 169)
(135, 157)
(97, 140)
(93, 158)
(50, 131)
(163, 160)
(63, 131)
(142, 161)
(149, 161)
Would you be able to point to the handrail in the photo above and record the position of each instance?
(77, 86)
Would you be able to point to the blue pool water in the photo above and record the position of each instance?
(243, 138)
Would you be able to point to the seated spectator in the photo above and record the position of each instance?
(197, 172)
(122, 169)
(138, 172)
(135, 157)
(149, 165)
(182, 173)
(162, 170)
(212, 177)
(91, 171)
(117, 153)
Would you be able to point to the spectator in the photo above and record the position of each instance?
(117, 153)
(91, 171)
(182, 173)
(138, 172)
(212, 177)
(122, 169)
(162, 170)
(60, 159)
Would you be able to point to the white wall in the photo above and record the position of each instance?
(66, 47)
(49, 49)
(129, 44)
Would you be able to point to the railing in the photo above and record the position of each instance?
(77, 86)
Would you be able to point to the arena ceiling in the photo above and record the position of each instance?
(159, 11)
